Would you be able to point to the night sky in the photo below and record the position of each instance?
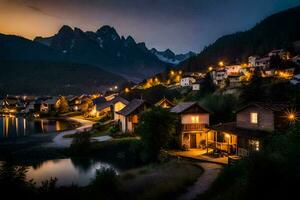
(180, 25)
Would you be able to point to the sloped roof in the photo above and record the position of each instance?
(232, 128)
(103, 105)
(50, 101)
(131, 107)
(164, 100)
(181, 107)
(275, 107)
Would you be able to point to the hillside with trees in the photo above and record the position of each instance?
(53, 78)
(278, 31)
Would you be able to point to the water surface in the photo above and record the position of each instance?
(11, 126)
(67, 171)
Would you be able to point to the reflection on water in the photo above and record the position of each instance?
(11, 126)
(68, 171)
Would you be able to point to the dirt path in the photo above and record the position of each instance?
(211, 172)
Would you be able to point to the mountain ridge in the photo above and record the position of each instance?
(274, 32)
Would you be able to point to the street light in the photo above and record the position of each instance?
(221, 63)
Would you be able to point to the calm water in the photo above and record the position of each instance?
(68, 171)
(18, 126)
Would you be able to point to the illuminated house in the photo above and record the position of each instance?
(111, 107)
(165, 103)
(48, 105)
(253, 122)
(193, 124)
(129, 115)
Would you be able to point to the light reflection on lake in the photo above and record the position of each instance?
(67, 171)
(11, 126)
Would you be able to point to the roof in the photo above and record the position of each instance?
(50, 101)
(103, 105)
(231, 128)
(181, 107)
(131, 107)
(275, 107)
(163, 100)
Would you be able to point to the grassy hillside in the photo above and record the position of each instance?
(21, 77)
(277, 31)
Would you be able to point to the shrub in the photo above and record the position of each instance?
(81, 144)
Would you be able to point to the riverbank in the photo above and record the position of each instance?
(40, 147)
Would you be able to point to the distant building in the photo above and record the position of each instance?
(233, 69)
(252, 61)
(187, 81)
(219, 77)
(263, 63)
(165, 103)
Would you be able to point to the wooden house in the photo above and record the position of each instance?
(253, 122)
(193, 123)
(129, 115)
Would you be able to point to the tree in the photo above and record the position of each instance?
(62, 105)
(157, 129)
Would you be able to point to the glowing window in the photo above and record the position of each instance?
(195, 119)
(254, 118)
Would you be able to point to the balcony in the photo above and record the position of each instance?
(193, 127)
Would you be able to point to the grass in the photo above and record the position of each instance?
(160, 181)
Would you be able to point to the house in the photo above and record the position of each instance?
(193, 123)
(219, 77)
(197, 85)
(165, 103)
(129, 115)
(263, 63)
(234, 80)
(252, 60)
(48, 105)
(187, 81)
(279, 52)
(233, 69)
(111, 107)
(253, 122)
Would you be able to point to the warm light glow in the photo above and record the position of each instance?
(172, 72)
(227, 135)
(210, 68)
(254, 118)
(221, 63)
(127, 90)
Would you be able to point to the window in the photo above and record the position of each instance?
(195, 119)
(254, 118)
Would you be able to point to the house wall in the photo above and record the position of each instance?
(117, 107)
(188, 118)
(265, 119)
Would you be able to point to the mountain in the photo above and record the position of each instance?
(170, 57)
(33, 68)
(18, 48)
(105, 49)
(53, 78)
(275, 32)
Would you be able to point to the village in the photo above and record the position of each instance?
(198, 137)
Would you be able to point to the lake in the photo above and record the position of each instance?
(11, 126)
(67, 171)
